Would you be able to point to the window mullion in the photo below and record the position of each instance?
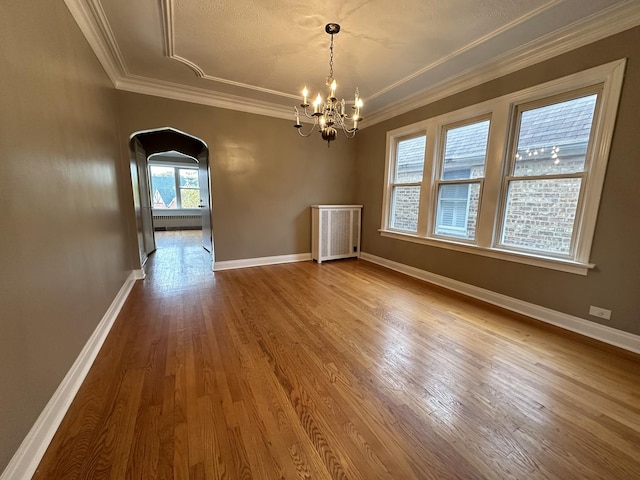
(426, 205)
(490, 193)
(176, 174)
(389, 176)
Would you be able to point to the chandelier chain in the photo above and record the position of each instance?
(331, 58)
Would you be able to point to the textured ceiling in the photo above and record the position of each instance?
(249, 54)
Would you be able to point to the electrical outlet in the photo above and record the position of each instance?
(600, 312)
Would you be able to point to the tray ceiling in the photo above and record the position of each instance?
(257, 56)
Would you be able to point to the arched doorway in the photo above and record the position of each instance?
(144, 144)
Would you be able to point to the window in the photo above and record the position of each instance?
(174, 187)
(546, 175)
(407, 177)
(189, 189)
(462, 173)
(517, 178)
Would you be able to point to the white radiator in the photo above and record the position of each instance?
(335, 231)
(181, 217)
(163, 222)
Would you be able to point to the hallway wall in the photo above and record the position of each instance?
(64, 249)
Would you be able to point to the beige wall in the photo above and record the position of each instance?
(263, 175)
(63, 244)
(615, 283)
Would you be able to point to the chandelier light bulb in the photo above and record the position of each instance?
(298, 124)
(305, 94)
(316, 104)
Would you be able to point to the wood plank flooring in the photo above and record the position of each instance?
(343, 370)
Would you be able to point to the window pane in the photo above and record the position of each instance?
(457, 210)
(410, 160)
(404, 208)
(540, 214)
(465, 151)
(163, 186)
(188, 178)
(189, 197)
(553, 139)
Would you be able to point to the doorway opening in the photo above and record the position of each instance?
(171, 186)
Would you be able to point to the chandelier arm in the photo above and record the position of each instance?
(350, 133)
(341, 121)
(306, 113)
(310, 131)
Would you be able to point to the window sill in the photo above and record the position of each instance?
(527, 259)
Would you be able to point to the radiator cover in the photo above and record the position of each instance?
(335, 231)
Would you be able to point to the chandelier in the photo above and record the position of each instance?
(330, 115)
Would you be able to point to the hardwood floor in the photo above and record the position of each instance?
(343, 370)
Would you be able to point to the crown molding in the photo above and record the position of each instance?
(604, 24)
(92, 21)
(158, 88)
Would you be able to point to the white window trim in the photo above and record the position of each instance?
(501, 110)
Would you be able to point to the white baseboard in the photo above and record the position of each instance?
(612, 336)
(27, 458)
(139, 274)
(258, 262)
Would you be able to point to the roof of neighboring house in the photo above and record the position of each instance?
(469, 141)
(165, 187)
(552, 125)
(557, 124)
